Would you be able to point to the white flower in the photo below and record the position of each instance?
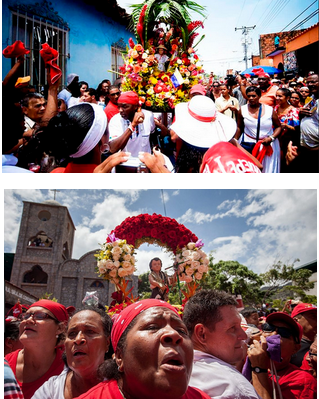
(198, 276)
(117, 264)
(113, 273)
(191, 245)
(116, 251)
(127, 257)
(179, 61)
(109, 264)
(186, 253)
(144, 56)
(144, 65)
(126, 264)
(116, 258)
(122, 272)
(195, 255)
(150, 91)
(115, 244)
(126, 248)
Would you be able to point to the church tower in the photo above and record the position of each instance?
(45, 241)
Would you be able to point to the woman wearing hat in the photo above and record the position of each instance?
(153, 355)
(86, 346)
(161, 57)
(42, 334)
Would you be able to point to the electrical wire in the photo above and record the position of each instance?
(298, 16)
(272, 15)
(305, 20)
(241, 12)
(163, 199)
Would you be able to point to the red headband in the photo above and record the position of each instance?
(128, 97)
(58, 310)
(130, 312)
(201, 118)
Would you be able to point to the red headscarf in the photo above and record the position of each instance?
(58, 310)
(130, 312)
(16, 49)
(50, 57)
(129, 97)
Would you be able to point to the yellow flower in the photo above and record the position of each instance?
(153, 80)
(180, 93)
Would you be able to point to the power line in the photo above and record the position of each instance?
(241, 12)
(305, 20)
(263, 17)
(298, 16)
(273, 13)
(163, 200)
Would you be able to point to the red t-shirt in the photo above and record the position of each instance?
(75, 168)
(269, 96)
(111, 110)
(29, 388)
(110, 389)
(296, 383)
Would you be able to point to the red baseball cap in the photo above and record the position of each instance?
(281, 316)
(302, 308)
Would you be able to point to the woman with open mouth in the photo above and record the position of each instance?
(153, 356)
(86, 347)
(42, 331)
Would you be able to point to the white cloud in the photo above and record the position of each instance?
(176, 192)
(132, 194)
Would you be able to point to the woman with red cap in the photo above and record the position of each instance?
(153, 355)
(42, 334)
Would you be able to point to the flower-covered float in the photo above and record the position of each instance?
(116, 260)
(168, 25)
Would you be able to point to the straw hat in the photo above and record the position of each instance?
(161, 46)
(199, 124)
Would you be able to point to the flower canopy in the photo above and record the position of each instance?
(154, 229)
(167, 24)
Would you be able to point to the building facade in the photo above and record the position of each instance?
(43, 261)
(89, 36)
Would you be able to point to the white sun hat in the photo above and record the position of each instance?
(199, 123)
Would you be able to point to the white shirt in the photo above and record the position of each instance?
(28, 123)
(219, 379)
(140, 138)
(53, 388)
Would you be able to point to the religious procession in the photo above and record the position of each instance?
(162, 112)
(178, 339)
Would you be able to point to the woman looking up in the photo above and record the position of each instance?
(86, 346)
(41, 333)
(153, 355)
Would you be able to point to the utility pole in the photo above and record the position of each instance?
(246, 40)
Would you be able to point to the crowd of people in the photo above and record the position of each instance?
(150, 350)
(230, 125)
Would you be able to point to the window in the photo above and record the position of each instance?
(34, 30)
(117, 59)
(40, 240)
(44, 216)
(36, 276)
(97, 284)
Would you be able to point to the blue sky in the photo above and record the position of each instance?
(222, 48)
(254, 227)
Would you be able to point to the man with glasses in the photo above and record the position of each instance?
(112, 109)
(311, 358)
(306, 315)
(290, 379)
(214, 92)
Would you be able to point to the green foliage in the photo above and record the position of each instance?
(143, 283)
(234, 278)
(48, 296)
(285, 281)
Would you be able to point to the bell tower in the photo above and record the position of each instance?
(45, 240)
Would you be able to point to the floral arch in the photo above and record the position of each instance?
(116, 261)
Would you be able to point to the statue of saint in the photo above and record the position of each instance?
(159, 281)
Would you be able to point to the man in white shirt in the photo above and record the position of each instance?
(130, 129)
(214, 324)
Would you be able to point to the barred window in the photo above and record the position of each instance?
(117, 59)
(33, 31)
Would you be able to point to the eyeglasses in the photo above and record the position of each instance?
(115, 94)
(312, 354)
(282, 331)
(37, 316)
(215, 85)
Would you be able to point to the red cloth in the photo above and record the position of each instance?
(296, 383)
(57, 309)
(110, 389)
(261, 153)
(16, 50)
(130, 312)
(128, 97)
(268, 97)
(226, 158)
(50, 56)
(305, 364)
(76, 168)
(111, 110)
(29, 388)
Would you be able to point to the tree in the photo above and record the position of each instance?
(285, 281)
(234, 278)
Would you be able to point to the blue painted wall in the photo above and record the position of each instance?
(90, 38)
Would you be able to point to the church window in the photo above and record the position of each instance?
(97, 284)
(40, 240)
(44, 216)
(35, 276)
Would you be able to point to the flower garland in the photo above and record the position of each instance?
(154, 229)
(115, 261)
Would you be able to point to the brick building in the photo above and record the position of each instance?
(43, 260)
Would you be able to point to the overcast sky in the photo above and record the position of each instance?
(254, 227)
(222, 47)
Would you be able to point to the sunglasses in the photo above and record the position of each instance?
(115, 94)
(37, 316)
(311, 354)
(282, 331)
(215, 85)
